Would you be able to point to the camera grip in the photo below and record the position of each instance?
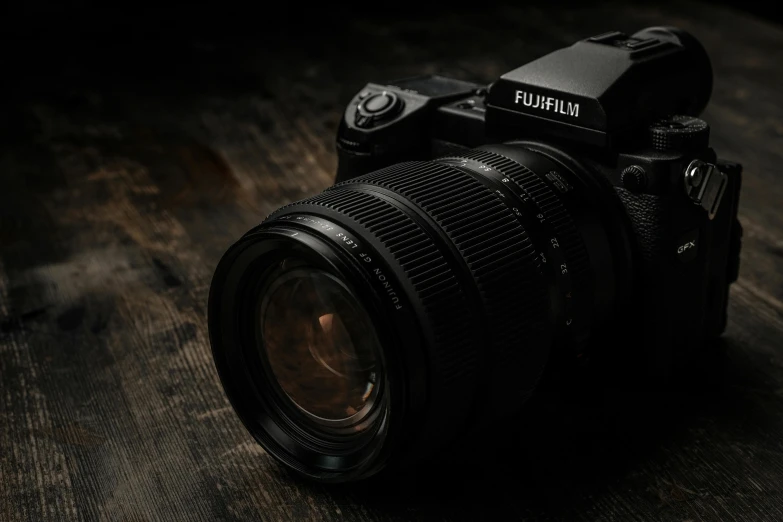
(681, 301)
(649, 221)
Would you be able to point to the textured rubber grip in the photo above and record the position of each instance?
(650, 220)
(496, 252)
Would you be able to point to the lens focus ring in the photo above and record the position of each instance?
(494, 251)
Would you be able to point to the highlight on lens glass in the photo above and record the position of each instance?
(319, 344)
(478, 236)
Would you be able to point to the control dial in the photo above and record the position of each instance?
(680, 133)
(375, 108)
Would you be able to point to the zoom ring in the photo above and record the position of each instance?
(552, 208)
(495, 250)
(435, 284)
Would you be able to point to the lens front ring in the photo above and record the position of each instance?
(312, 449)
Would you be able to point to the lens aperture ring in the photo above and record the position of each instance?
(549, 256)
(556, 214)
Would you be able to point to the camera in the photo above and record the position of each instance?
(570, 211)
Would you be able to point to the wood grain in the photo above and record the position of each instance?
(126, 173)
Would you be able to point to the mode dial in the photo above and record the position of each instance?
(376, 108)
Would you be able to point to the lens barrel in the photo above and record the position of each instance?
(466, 272)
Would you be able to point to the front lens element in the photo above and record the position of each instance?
(319, 344)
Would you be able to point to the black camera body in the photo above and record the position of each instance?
(623, 109)
(482, 241)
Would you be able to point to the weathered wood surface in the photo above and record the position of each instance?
(128, 167)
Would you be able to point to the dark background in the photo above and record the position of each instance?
(46, 39)
(137, 144)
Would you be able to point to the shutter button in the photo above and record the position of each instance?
(377, 103)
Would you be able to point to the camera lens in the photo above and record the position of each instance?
(319, 344)
(366, 327)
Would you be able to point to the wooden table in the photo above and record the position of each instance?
(128, 167)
